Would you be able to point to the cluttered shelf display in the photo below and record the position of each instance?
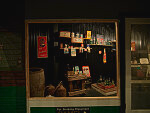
(83, 60)
(140, 66)
(140, 54)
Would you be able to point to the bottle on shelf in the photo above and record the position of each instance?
(77, 35)
(73, 69)
(100, 80)
(91, 40)
(72, 35)
(61, 45)
(81, 36)
(94, 40)
(104, 56)
(113, 83)
(105, 82)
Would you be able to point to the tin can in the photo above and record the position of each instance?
(61, 45)
(82, 45)
(72, 34)
(81, 35)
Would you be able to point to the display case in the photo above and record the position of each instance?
(137, 65)
(72, 60)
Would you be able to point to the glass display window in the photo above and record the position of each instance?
(72, 58)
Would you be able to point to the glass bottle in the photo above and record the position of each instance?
(104, 56)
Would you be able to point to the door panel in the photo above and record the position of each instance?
(137, 65)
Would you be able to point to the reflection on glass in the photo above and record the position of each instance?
(140, 96)
(75, 66)
(140, 66)
(140, 52)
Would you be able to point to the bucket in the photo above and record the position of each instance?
(37, 82)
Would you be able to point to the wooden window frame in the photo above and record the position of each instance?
(30, 21)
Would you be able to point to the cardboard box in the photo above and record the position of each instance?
(64, 34)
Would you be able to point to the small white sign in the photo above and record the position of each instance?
(77, 40)
(144, 61)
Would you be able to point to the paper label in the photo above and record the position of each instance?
(73, 52)
(42, 47)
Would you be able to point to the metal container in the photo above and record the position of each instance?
(37, 82)
(77, 35)
(81, 35)
(72, 34)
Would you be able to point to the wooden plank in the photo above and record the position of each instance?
(105, 92)
(27, 59)
(70, 86)
(83, 84)
(99, 45)
(12, 82)
(77, 92)
(117, 59)
(77, 77)
(11, 77)
(70, 20)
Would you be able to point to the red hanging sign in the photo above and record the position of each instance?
(42, 47)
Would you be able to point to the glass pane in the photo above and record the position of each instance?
(140, 96)
(140, 52)
(81, 59)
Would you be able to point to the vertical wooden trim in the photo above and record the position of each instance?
(27, 60)
(128, 27)
(117, 60)
(127, 66)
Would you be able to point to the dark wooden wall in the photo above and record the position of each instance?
(12, 75)
(13, 13)
(85, 8)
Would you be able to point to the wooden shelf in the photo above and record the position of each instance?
(64, 37)
(139, 64)
(140, 51)
(113, 41)
(77, 92)
(140, 81)
(87, 38)
(75, 48)
(99, 45)
(77, 40)
(77, 77)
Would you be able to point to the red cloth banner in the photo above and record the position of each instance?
(42, 47)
